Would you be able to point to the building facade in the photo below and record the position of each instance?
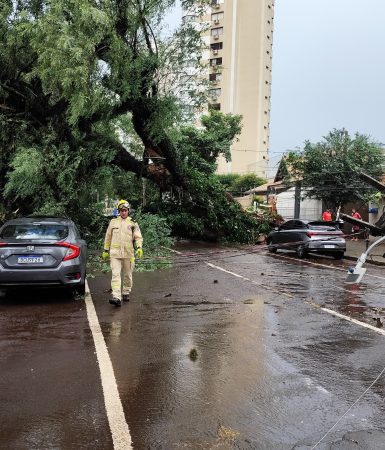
(238, 37)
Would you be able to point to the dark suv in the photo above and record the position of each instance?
(305, 236)
(42, 251)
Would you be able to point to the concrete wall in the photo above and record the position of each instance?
(245, 201)
(311, 209)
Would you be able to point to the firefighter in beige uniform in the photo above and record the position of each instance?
(121, 237)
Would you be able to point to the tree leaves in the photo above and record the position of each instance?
(329, 168)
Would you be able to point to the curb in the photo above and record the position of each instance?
(368, 261)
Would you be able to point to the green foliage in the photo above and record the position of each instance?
(156, 241)
(199, 148)
(86, 92)
(329, 169)
(220, 219)
(185, 224)
(227, 180)
(376, 198)
(238, 184)
(155, 231)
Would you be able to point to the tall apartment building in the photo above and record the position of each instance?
(238, 40)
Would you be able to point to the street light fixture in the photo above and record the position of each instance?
(355, 274)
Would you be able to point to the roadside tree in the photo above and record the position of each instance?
(237, 184)
(329, 169)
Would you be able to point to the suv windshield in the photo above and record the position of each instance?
(36, 231)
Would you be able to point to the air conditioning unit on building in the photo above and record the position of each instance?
(215, 52)
(216, 21)
(216, 37)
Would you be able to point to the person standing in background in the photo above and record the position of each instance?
(327, 215)
(356, 228)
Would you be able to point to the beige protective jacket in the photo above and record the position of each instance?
(120, 238)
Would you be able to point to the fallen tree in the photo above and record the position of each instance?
(87, 89)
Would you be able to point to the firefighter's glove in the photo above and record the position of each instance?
(105, 255)
(139, 252)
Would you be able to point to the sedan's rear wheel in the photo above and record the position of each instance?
(79, 291)
(301, 251)
(338, 255)
(271, 247)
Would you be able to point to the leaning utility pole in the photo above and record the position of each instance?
(377, 229)
(355, 274)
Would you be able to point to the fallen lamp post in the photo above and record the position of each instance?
(355, 274)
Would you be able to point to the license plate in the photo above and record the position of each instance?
(29, 259)
(330, 246)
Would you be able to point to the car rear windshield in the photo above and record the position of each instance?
(35, 231)
(321, 226)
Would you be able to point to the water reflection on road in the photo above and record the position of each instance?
(266, 360)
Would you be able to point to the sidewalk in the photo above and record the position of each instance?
(355, 249)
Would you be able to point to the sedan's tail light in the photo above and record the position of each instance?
(2, 244)
(323, 233)
(72, 252)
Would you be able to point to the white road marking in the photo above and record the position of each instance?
(374, 276)
(350, 319)
(314, 305)
(343, 269)
(268, 288)
(309, 262)
(119, 428)
(321, 265)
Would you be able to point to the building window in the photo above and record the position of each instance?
(216, 2)
(216, 17)
(215, 92)
(215, 77)
(217, 46)
(189, 18)
(217, 31)
(215, 106)
(215, 62)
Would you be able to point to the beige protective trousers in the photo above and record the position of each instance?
(121, 266)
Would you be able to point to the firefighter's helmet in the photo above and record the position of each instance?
(123, 204)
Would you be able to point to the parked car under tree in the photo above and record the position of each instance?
(305, 237)
(42, 251)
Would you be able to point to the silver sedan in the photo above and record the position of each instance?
(42, 251)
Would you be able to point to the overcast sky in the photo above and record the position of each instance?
(328, 70)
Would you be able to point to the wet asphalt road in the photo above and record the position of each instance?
(273, 370)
